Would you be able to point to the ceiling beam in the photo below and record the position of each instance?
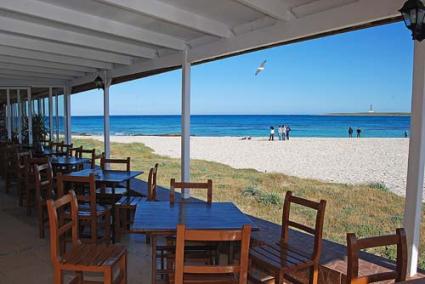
(74, 38)
(18, 73)
(56, 58)
(36, 69)
(45, 64)
(277, 9)
(355, 14)
(98, 24)
(63, 49)
(10, 81)
(172, 14)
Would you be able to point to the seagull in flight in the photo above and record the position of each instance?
(260, 68)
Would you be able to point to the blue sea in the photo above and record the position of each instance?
(245, 125)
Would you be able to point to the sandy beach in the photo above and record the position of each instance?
(342, 160)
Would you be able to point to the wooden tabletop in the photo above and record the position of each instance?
(162, 217)
(108, 176)
(68, 161)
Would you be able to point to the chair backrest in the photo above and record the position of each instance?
(152, 183)
(43, 181)
(65, 148)
(56, 146)
(75, 152)
(317, 231)
(78, 184)
(354, 246)
(191, 185)
(21, 162)
(57, 225)
(92, 156)
(104, 162)
(184, 234)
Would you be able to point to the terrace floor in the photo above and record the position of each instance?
(24, 258)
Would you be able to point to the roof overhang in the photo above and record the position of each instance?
(61, 42)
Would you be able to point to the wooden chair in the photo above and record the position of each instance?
(191, 185)
(152, 183)
(81, 257)
(280, 259)
(354, 246)
(75, 152)
(10, 174)
(90, 154)
(236, 273)
(126, 206)
(43, 191)
(30, 189)
(109, 194)
(21, 173)
(90, 214)
(57, 147)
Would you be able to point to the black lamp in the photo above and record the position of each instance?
(99, 82)
(413, 12)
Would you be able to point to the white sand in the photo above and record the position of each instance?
(329, 159)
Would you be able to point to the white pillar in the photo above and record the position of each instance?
(50, 114)
(107, 80)
(20, 115)
(57, 117)
(8, 116)
(67, 105)
(185, 123)
(29, 116)
(415, 171)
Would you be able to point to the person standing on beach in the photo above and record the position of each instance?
(288, 129)
(280, 132)
(271, 137)
(350, 132)
(359, 131)
(283, 132)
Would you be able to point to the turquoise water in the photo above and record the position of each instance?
(246, 125)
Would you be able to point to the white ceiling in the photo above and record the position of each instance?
(58, 42)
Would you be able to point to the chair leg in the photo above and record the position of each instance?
(41, 223)
(58, 276)
(314, 274)
(123, 269)
(107, 227)
(108, 276)
(117, 225)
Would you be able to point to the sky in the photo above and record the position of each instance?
(341, 73)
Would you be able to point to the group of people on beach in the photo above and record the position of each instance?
(282, 132)
(351, 131)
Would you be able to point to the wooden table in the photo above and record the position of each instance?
(108, 176)
(413, 281)
(162, 218)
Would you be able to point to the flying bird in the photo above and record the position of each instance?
(260, 68)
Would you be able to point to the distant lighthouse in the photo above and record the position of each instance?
(371, 109)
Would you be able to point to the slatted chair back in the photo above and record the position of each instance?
(56, 146)
(317, 231)
(152, 183)
(191, 185)
(75, 152)
(43, 174)
(105, 163)
(58, 227)
(65, 148)
(354, 246)
(90, 154)
(88, 197)
(240, 269)
(22, 159)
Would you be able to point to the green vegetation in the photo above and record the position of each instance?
(366, 210)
